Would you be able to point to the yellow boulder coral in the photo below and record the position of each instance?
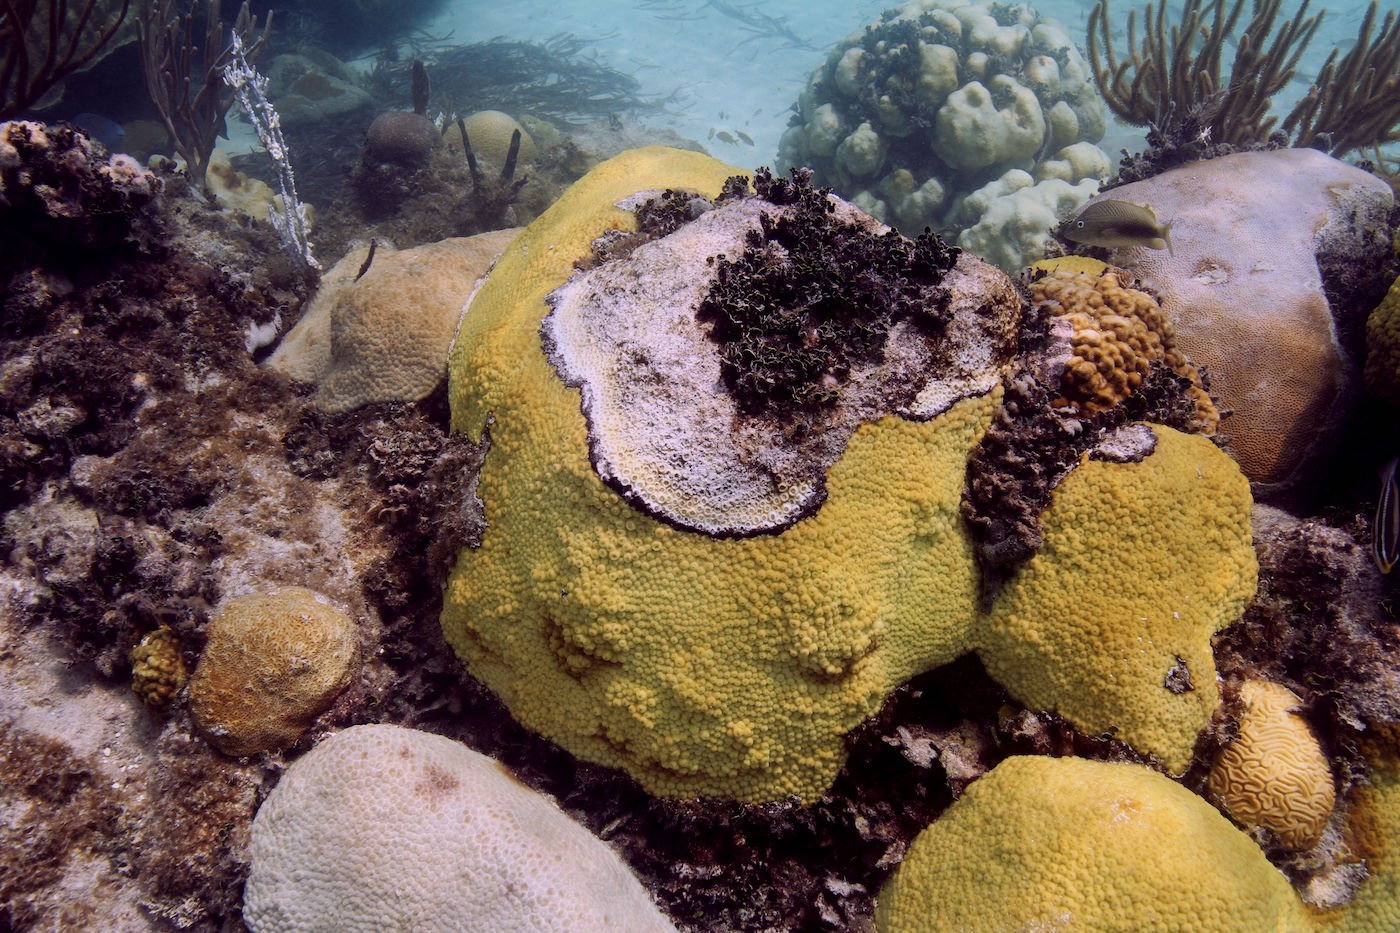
(1383, 348)
(1274, 774)
(734, 666)
(272, 664)
(1110, 622)
(1069, 844)
(1373, 835)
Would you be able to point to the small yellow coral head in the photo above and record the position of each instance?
(1274, 776)
(157, 669)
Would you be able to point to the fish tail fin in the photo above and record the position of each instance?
(1385, 531)
(1167, 235)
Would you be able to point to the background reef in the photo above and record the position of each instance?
(156, 467)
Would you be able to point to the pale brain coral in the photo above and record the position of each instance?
(385, 828)
(936, 99)
(1274, 775)
(733, 667)
(1070, 844)
(273, 662)
(382, 333)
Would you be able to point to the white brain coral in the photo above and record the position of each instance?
(385, 828)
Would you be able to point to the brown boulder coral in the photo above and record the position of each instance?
(1271, 249)
(272, 664)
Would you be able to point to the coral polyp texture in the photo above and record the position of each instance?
(1263, 244)
(1273, 775)
(272, 663)
(1110, 622)
(157, 669)
(710, 589)
(936, 100)
(1383, 348)
(379, 327)
(385, 828)
(1069, 844)
(1120, 332)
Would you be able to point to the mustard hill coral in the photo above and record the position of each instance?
(385, 828)
(1119, 334)
(1274, 775)
(1069, 844)
(272, 663)
(157, 669)
(734, 667)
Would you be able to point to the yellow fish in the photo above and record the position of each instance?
(1385, 530)
(1114, 223)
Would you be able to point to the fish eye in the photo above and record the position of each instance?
(1079, 223)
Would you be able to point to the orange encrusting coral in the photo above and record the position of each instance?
(1119, 334)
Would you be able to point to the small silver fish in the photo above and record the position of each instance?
(1113, 223)
(726, 138)
(748, 140)
(1385, 530)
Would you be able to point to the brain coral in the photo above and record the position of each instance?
(1383, 348)
(272, 663)
(1069, 844)
(382, 333)
(1274, 774)
(386, 828)
(1119, 333)
(733, 666)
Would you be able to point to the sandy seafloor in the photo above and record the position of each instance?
(717, 73)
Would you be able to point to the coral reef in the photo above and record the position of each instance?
(271, 664)
(984, 567)
(1278, 258)
(936, 99)
(1273, 775)
(381, 826)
